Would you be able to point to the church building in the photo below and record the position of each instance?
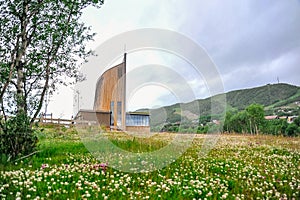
(110, 104)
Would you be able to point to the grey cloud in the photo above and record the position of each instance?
(251, 41)
(244, 38)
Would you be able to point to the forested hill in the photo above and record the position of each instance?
(272, 96)
(267, 95)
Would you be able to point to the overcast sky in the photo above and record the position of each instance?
(251, 42)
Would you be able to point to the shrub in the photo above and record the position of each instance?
(292, 130)
(17, 137)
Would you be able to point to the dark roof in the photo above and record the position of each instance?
(138, 113)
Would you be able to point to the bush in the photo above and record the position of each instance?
(292, 130)
(17, 137)
(202, 129)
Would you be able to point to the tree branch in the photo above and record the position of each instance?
(11, 69)
(27, 156)
(51, 56)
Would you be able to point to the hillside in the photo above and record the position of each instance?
(276, 98)
(265, 95)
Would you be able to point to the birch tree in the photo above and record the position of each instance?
(41, 44)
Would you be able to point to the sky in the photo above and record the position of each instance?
(250, 42)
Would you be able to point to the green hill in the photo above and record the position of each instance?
(275, 98)
(267, 95)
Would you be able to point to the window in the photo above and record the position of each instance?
(119, 113)
(112, 113)
(137, 120)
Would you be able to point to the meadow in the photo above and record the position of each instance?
(238, 167)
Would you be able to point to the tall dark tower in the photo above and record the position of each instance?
(124, 93)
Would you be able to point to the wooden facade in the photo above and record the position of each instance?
(111, 94)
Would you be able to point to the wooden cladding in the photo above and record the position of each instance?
(110, 90)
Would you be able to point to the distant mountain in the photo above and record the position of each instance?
(274, 97)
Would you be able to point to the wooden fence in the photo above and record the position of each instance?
(50, 120)
(53, 121)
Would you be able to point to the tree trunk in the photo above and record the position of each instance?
(21, 102)
(42, 95)
(20, 94)
(256, 129)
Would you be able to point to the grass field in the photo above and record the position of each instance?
(238, 167)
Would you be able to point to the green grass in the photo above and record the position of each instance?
(50, 150)
(237, 167)
(138, 145)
